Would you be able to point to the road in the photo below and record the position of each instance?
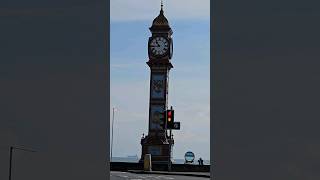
(116, 175)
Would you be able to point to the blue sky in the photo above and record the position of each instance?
(189, 83)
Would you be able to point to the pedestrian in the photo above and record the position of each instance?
(200, 161)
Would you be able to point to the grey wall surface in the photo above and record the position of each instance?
(53, 92)
(266, 99)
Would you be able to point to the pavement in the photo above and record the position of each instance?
(156, 175)
(194, 174)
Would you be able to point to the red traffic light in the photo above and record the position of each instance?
(169, 115)
(170, 119)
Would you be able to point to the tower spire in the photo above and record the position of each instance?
(161, 11)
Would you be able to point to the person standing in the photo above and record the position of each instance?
(200, 161)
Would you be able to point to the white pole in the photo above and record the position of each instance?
(112, 133)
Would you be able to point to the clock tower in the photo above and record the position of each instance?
(160, 48)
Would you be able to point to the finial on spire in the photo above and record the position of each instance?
(161, 6)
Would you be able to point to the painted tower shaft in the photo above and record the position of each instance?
(160, 48)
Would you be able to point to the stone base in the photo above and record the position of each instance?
(158, 147)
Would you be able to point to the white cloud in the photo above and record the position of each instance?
(114, 66)
(128, 10)
(189, 82)
(133, 102)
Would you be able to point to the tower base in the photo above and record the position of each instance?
(158, 146)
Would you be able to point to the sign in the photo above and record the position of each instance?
(189, 157)
(176, 125)
(154, 150)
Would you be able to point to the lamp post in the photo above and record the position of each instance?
(11, 153)
(170, 145)
(113, 110)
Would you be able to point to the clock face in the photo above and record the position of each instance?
(159, 46)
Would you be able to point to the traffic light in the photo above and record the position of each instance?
(163, 119)
(170, 119)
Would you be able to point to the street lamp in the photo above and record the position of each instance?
(11, 152)
(113, 110)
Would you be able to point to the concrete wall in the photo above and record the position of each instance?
(124, 166)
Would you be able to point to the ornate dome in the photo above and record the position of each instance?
(160, 20)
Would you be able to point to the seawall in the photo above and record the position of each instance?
(125, 166)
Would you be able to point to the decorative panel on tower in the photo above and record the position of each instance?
(155, 117)
(158, 86)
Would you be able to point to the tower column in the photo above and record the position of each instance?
(160, 49)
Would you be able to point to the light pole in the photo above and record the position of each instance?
(113, 110)
(11, 153)
(170, 141)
